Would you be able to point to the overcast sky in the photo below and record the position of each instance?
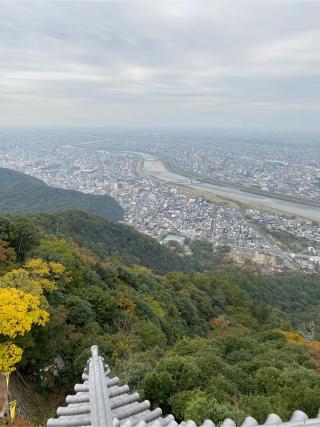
(202, 63)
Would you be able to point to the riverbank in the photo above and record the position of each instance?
(157, 169)
(169, 166)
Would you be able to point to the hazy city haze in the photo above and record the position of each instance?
(175, 63)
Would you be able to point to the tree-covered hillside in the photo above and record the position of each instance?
(296, 294)
(105, 238)
(21, 193)
(199, 345)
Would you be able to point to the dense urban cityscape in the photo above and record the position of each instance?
(285, 171)
(172, 214)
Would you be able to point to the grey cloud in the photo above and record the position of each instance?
(125, 61)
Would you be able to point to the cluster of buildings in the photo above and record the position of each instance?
(230, 228)
(157, 209)
(75, 168)
(285, 170)
(165, 212)
(284, 163)
(303, 243)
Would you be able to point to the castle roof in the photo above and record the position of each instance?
(100, 401)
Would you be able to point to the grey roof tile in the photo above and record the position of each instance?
(249, 422)
(101, 402)
(273, 419)
(299, 416)
(208, 423)
(228, 423)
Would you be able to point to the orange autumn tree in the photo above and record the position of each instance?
(22, 305)
(219, 322)
(314, 349)
(298, 339)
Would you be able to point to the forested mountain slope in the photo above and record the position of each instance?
(104, 238)
(296, 294)
(21, 193)
(198, 345)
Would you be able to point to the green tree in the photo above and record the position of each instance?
(150, 335)
(204, 406)
(183, 371)
(102, 302)
(79, 311)
(158, 387)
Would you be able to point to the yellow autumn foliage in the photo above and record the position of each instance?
(10, 355)
(140, 269)
(36, 277)
(56, 268)
(154, 305)
(127, 304)
(23, 304)
(37, 267)
(20, 279)
(19, 311)
(293, 337)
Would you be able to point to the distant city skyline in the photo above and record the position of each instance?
(160, 63)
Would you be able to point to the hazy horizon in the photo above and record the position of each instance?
(133, 64)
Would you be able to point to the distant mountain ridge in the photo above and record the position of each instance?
(21, 193)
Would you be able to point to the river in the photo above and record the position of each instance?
(155, 168)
